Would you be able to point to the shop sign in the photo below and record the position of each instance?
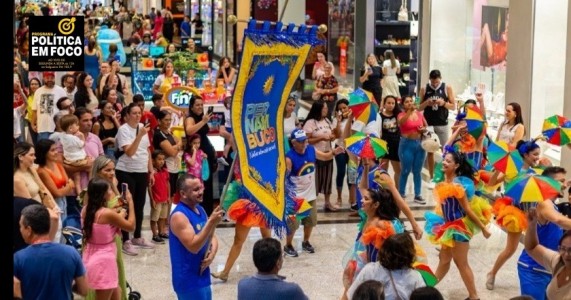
(179, 97)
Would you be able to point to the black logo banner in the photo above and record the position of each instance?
(56, 43)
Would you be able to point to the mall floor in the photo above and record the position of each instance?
(319, 274)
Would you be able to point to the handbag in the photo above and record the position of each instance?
(413, 26)
(403, 12)
(430, 141)
(316, 95)
(205, 169)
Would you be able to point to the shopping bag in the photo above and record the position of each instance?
(205, 169)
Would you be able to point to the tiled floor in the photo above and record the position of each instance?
(318, 274)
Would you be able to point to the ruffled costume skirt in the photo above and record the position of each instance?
(441, 227)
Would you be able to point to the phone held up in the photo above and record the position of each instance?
(124, 187)
(210, 110)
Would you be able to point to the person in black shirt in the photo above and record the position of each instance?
(197, 23)
(371, 76)
(391, 134)
(436, 100)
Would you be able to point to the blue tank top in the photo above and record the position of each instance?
(185, 266)
(372, 252)
(549, 235)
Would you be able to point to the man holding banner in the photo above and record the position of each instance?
(300, 164)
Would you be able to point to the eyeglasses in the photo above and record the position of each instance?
(67, 106)
(563, 249)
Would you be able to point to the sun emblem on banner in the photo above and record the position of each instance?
(268, 85)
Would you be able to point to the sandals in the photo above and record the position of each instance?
(490, 279)
(330, 207)
(220, 275)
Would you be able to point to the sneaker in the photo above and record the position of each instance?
(290, 251)
(306, 246)
(164, 236)
(142, 243)
(129, 249)
(158, 240)
(419, 200)
(354, 207)
(430, 185)
(222, 161)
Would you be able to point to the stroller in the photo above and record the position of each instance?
(73, 236)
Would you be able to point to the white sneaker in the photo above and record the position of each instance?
(222, 161)
(142, 243)
(430, 185)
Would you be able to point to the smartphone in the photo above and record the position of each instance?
(339, 113)
(210, 109)
(124, 187)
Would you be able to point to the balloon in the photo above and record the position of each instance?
(105, 37)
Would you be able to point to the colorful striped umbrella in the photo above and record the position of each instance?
(557, 130)
(504, 158)
(475, 123)
(426, 273)
(363, 106)
(528, 188)
(366, 145)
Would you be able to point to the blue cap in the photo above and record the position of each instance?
(298, 135)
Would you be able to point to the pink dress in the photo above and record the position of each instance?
(100, 257)
(195, 169)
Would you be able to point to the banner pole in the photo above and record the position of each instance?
(283, 10)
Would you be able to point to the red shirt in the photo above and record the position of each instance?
(160, 188)
(148, 116)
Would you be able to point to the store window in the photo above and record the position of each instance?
(468, 44)
(340, 35)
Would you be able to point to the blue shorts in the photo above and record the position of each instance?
(204, 293)
(229, 129)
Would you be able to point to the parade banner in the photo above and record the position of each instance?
(272, 60)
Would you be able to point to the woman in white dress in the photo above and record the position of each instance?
(390, 82)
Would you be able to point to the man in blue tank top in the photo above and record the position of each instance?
(436, 100)
(533, 278)
(192, 242)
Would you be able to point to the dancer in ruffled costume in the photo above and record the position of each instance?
(247, 214)
(380, 219)
(457, 217)
(509, 217)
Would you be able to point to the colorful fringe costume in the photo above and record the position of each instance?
(241, 209)
(449, 223)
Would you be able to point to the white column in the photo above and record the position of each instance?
(566, 152)
(294, 12)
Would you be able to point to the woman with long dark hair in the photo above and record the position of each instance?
(100, 225)
(85, 96)
(106, 127)
(455, 220)
(92, 59)
(320, 134)
(391, 134)
(197, 123)
(512, 129)
(342, 130)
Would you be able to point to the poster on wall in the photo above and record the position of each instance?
(491, 43)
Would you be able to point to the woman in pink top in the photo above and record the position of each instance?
(100, 225)
(412, 124)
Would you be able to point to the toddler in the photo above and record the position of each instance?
(73, 143)
(193, 156)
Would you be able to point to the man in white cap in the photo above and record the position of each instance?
(44, 106)
(300, 164)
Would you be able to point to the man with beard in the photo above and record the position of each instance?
(192, 242)
(44, 106)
